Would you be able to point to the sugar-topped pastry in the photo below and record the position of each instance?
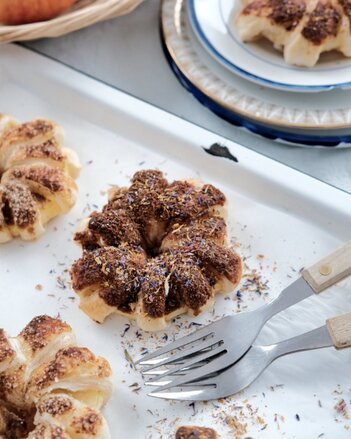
(49, 387)
(302, 29)
(36, 177)
(156, 250)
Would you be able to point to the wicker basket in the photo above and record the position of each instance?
(82, 14)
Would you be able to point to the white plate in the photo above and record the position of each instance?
(289, 217)
(259, 62)
(309, 118)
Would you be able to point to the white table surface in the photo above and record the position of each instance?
(126, 53)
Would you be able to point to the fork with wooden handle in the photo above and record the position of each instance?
(222, 343)
(336, 332)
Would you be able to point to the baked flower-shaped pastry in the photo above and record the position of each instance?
(156, 250)
(49, 387)
(36, 177)
(302, 29)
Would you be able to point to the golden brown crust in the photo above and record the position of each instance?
(50, 178)
(195, 433)
(323, 22)
(6, 351)
(48, 150)
(286, 13)
(41, 330)
(29, 385)
(28, 131)
(68, 362)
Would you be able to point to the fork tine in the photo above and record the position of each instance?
(184, 370)
(184, 379)
(183, 353)
(180, 342)
(187, 395)
(213, 366)
(156, 384)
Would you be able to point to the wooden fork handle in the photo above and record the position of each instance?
(340, 330)
(329, 270)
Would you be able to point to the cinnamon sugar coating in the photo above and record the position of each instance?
(46, 150)
(157, 249)
(50, 178)
(55, 405)
(36, 177)
(47, 384)
(286, 13)
(323, 22)
(41, 330)
(68, 362)
(17, 205)
(28, 130)
(114, 268)
(6, 351)
(195, 433)
(88, 423)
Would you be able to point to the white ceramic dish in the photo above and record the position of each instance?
(287, 216)
(214, 23)
(304, 118)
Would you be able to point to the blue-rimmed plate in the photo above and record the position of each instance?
(315, 119)
(214, 24)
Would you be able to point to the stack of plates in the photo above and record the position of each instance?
(249, 84)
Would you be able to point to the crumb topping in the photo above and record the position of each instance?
(27, 131)
(26, 401)
(41, 330)
(89, 423)
(286, 13)
(114, 268)
(6, 351)
(324, 21)
(50, 178)
(17, 205)
(55, 405)
(115, 227)
(69, 362)
(48, 149)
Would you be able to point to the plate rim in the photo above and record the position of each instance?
(250, 76)
(273, 122)
(292, 139)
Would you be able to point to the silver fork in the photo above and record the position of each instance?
(222, 343)
(336, 332)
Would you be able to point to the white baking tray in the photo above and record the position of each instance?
(274, 211)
